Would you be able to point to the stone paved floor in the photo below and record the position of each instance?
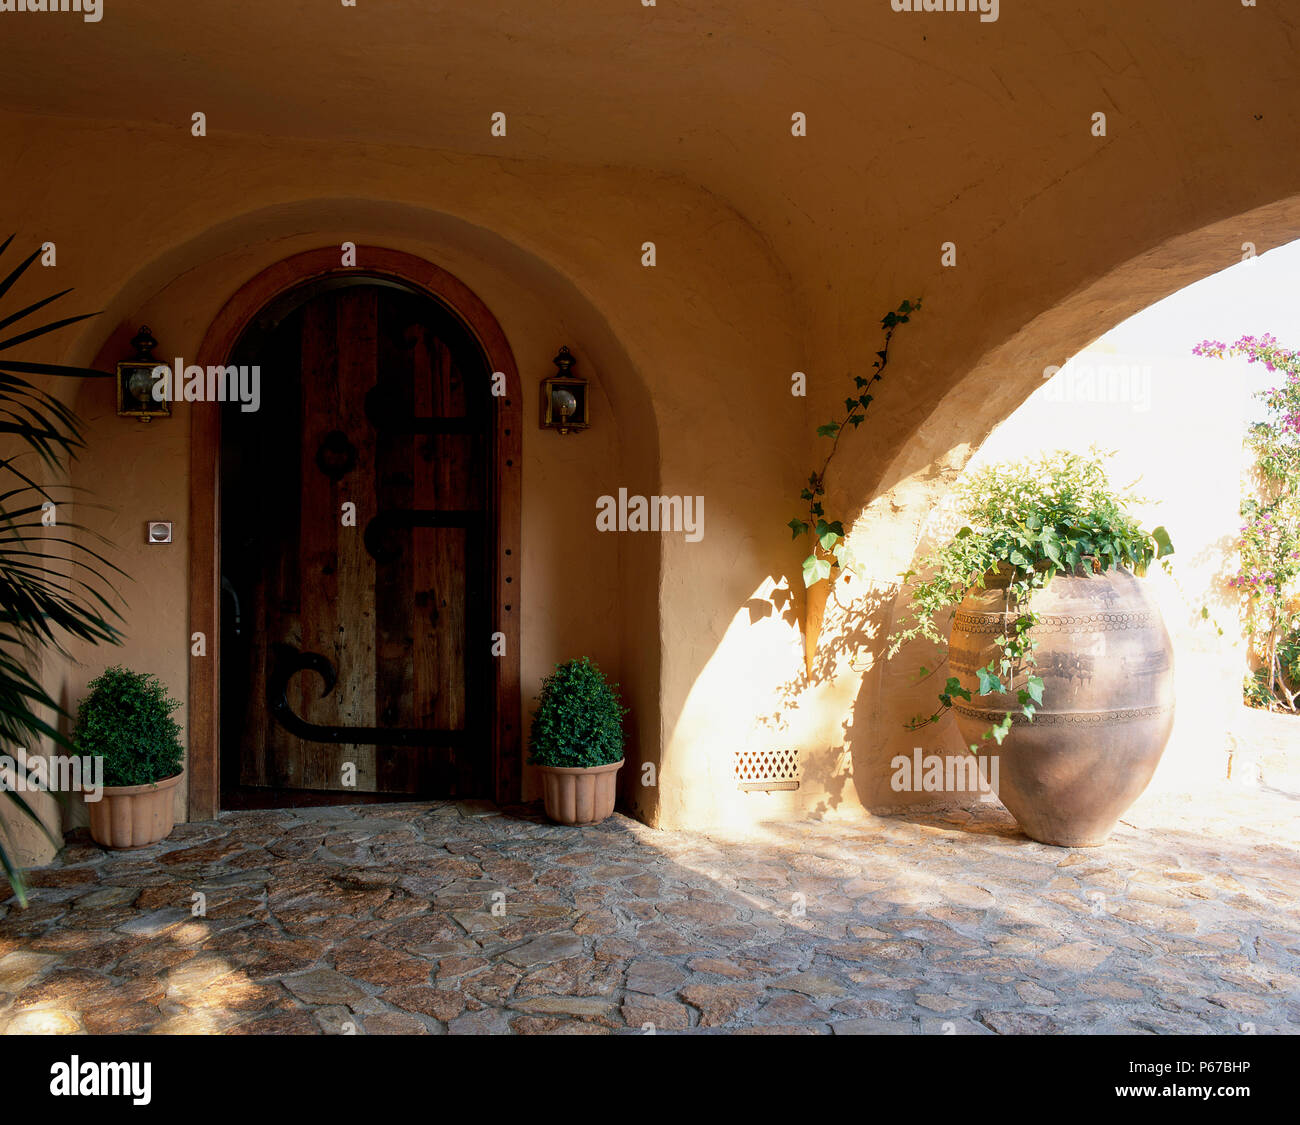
(379, 919)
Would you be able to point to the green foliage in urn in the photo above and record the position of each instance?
(1026, 522)
(126, 719)
(579, 719)
(830, 548)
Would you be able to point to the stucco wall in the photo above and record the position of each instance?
(775, 254)
(671, 350)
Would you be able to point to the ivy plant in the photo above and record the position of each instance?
(1027, 521)
(126, 719)
(829, 546)
(579, 719)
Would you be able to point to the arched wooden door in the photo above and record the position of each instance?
(368, 545)
(356, 540)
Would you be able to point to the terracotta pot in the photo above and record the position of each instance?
(131, 816)
(1108, 702)
(579, 795)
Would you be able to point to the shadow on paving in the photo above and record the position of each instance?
(462, 918)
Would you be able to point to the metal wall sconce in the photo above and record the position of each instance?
(160, 531)
(564, 397)
(135, 382)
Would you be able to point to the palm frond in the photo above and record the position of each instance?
(46, 597)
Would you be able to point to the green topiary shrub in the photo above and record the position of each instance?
(579, 719)
(126, 720)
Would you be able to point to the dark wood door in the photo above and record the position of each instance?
(357, 539)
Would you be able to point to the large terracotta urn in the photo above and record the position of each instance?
(1108, 701)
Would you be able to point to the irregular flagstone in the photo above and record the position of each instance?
(196, 972)
(1077, 955)
(720, 1003)
(578, 976)
(21, 967)
(1110, 989)
(338, 1021)
(551, 947)
(660, 939)
(155, 923)
(276, 958)
(959, 1025)
(492, 986)
(454, 966)
(1031, 993)
(204, 1021)
(787, 1008)
(875, 950)
(323, 986)
(415, 934)
(655, 1013)
(236, 993)
(868, 1026)
(110, 896)
(583, 1007)
(937, 923)
(440, 1003)
(45, 1021)
(488, 1021)
(64, 987)
(867, 1007)
(1018, 1023)
(396, 1023)
(718, 966)
(597, 922)
(120, 1019)
(654, 977)
(278, 1023)
(376, 964)
(811, 984)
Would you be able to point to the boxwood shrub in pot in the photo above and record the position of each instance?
(126, 720)
(576, 742)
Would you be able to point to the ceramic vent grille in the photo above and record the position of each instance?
(767, 769)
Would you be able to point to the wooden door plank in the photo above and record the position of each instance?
(397, 768)
(354, 608)
(427, 630)
(309, 765)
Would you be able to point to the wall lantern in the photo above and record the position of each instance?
(564, 397)
(135, 382)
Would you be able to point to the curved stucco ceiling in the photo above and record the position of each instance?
(922, 128)
(910, 115)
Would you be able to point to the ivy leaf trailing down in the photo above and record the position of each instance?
(126, 719)
(1029, 520)
(51, 585)
(830, 548)
(1268, 576)
(579, 719)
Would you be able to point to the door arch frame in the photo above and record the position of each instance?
(204, 712)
